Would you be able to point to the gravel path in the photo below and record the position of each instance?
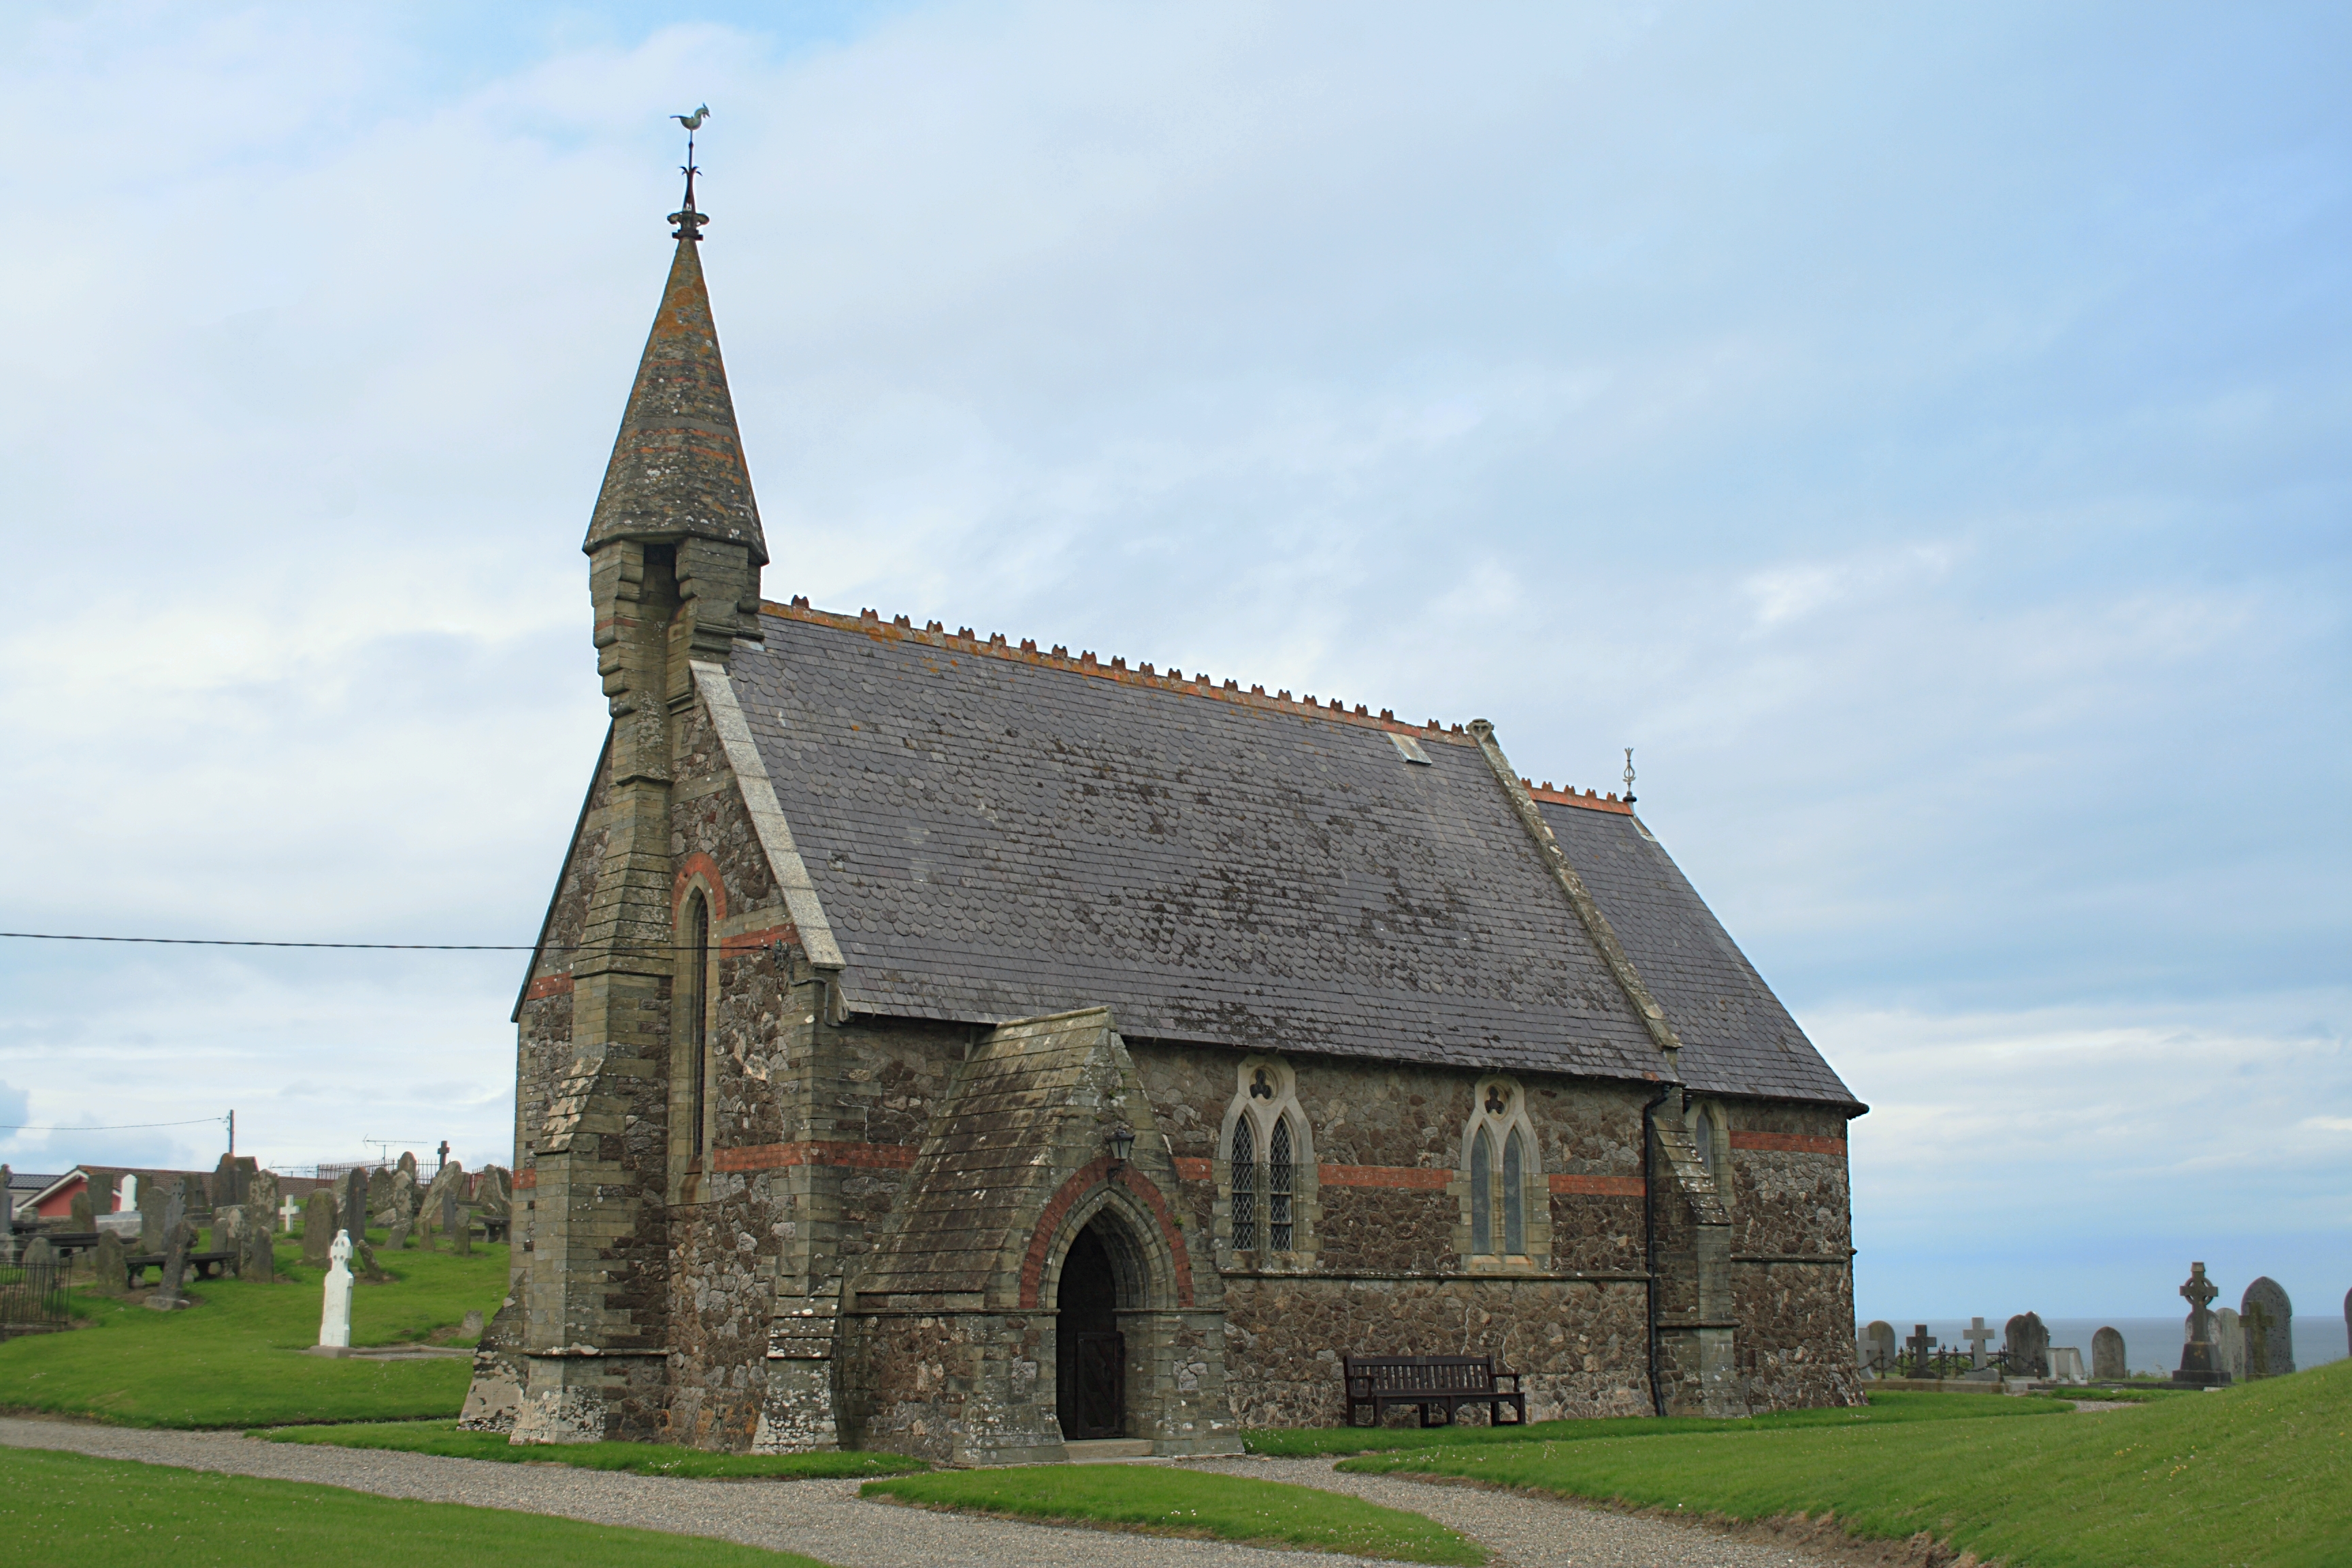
(1526, 1531)
(822, 1519)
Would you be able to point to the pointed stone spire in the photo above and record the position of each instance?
(678, 469)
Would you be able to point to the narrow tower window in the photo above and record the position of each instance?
(1278, 1187)
(1244, 1186)
(1481, 1192)
(1515, 1203)
(698, 1027)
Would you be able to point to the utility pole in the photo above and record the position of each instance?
(232, 1135)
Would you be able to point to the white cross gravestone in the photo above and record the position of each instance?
(335, 1316)
(126, 1194)
(1978, 1336)
(286, 1210)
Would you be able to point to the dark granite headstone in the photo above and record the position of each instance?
(2267, 1319)
(232, 1181)
(318, 1227)
(177, 1234)
(2108, 1363)
(2028, 1344)
(459, 1224)
(352, 1208)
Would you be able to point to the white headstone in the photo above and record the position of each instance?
(1978, 1336)
(126, 1194)
(2065, 1363)
(335, 1316)
(286, 1210)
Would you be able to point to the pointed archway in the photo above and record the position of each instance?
(1102, 1286)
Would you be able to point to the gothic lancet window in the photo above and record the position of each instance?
(1515, 1203)
(698, 1027)
(1244, 1187)
(1278, 1187)
(1481, 1192)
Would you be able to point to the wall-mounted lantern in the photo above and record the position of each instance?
(1122, 1144)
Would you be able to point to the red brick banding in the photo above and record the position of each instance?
(1789, 1143)
(524, 1180)
(815, 1151)
(1192, 1168)
(548, 985)
(1081, 1183)
(751, 941)
(1599, 1186)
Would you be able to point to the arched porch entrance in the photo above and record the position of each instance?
(1102, 1282)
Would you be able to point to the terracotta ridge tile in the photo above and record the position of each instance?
(901, 628)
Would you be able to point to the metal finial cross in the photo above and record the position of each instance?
(1629, 775)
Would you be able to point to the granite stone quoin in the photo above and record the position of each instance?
(904, 988)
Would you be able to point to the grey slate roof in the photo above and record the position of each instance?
(995, 839)
(1736, 1038)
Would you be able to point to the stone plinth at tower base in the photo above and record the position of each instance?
(581, 1395)
(1699, 1371)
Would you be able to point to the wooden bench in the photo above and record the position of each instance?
(1431, 1383)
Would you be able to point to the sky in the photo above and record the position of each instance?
(1918, 432)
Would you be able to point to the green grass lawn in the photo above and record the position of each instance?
(1886, 1407)
(232, 1361)
(1188, 1502)
(69, 1511)
(2257, 1474)
(641, 1458)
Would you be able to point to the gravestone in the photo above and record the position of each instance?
(1880, 1337)
(352, 1205)
(167, 1297)
(232, 1181)
(2065, 1363)
(2229, 1343)
(2268, 1319)
(408, 1165)
(1978, 1336)
(2028, 1344)
(2108, 1364)
(495, 1203)
(112, 1264)
(458, 1224)
(153, 1201)
(335, 1310)
(404, 1209)
(256, 1260)
(38, 1254)
(228, 1235)
(319, 1228)
(2198, 1368)
(82, 1221)
(126, 1194)
(450, 1179)
(1922, 1345)
(379, 1190)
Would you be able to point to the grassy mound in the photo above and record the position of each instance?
(232, 1360)
(444, 1438)
(1885, 1408)
(69, 1511)
(2257, 1474)
(1187, 1503)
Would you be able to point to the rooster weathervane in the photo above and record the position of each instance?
(689, 222)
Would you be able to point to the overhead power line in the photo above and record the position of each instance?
(125, 1127)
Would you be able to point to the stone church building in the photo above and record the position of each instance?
(960, 1047)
